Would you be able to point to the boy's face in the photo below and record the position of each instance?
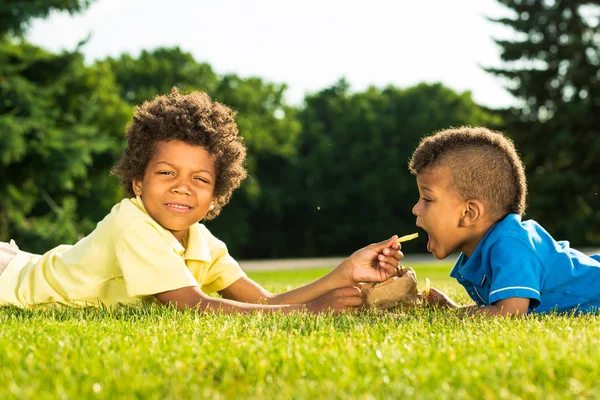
(178, 186)
(439, 211)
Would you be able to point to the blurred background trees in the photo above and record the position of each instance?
(61, 124)
(553, 66)
(324, 178)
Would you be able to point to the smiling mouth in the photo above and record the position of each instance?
(179, 207)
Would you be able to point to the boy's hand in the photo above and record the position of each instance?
(375, 263)
(337, 300)
(439, 299)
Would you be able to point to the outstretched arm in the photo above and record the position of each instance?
(507, 307)
(514, 306)
(373, 263)
(192, 297)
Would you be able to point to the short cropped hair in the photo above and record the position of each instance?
(484, 165)
(191, 118)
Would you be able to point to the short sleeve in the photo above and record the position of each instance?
(516, 272)
(224, 269)
(149, 263)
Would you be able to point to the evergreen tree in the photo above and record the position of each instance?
(552, 66)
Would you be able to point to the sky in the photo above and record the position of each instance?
(308, 45)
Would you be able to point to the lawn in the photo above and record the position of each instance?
(159, 353)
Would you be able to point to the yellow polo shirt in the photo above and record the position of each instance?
(127, 258)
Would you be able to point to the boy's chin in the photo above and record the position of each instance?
(438, 255)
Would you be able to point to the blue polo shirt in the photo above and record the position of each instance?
(521, 259)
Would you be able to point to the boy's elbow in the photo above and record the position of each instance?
(513, 307)
(513, 312)
(184, 298)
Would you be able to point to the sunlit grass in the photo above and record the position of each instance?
(158, 353)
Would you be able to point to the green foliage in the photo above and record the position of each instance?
(350, 178)
(59, 120)
(553, 67)
(15, 15)
(252, 223)
(160, 353)
(156, 72)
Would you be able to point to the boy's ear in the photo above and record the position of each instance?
(212, 204)
(474, 212)
(137, 187)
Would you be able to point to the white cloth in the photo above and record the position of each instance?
(8, 251)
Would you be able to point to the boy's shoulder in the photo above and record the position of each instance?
(130, 217)
(521, 241)
(512, 228)
(128, 211)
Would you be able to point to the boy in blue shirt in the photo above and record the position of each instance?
(472, 193)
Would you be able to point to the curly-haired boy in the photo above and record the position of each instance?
(184, 158)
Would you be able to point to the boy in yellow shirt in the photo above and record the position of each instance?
(184, 158)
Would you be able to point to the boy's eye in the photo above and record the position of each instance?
(199, 178)
(165, 172)
(425, 199)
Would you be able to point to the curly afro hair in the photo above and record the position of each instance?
(191, 118)
(484, 165)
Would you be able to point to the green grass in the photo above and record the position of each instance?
(159, 353)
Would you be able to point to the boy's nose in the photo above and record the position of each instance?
(414, 209)
(181, 188)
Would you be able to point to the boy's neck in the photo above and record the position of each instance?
(477, 232)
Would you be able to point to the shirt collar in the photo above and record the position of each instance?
(469, 268)
(472, 268)
(197, 246)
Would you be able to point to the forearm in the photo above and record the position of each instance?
(309, 292)
(192, 297)
(505, 307)
(493, 310)
(474, 309)
(513, 306)
(234, 307)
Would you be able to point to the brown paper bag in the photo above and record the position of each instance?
(396, 291)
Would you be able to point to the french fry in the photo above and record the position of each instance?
(406, 238)
(427, 287)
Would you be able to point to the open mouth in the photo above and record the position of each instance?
(429, 244)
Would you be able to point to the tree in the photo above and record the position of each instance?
(15, 15)
(553, 67)
(253, 222)
(60, 124)
(351, 179)
(155, 72)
